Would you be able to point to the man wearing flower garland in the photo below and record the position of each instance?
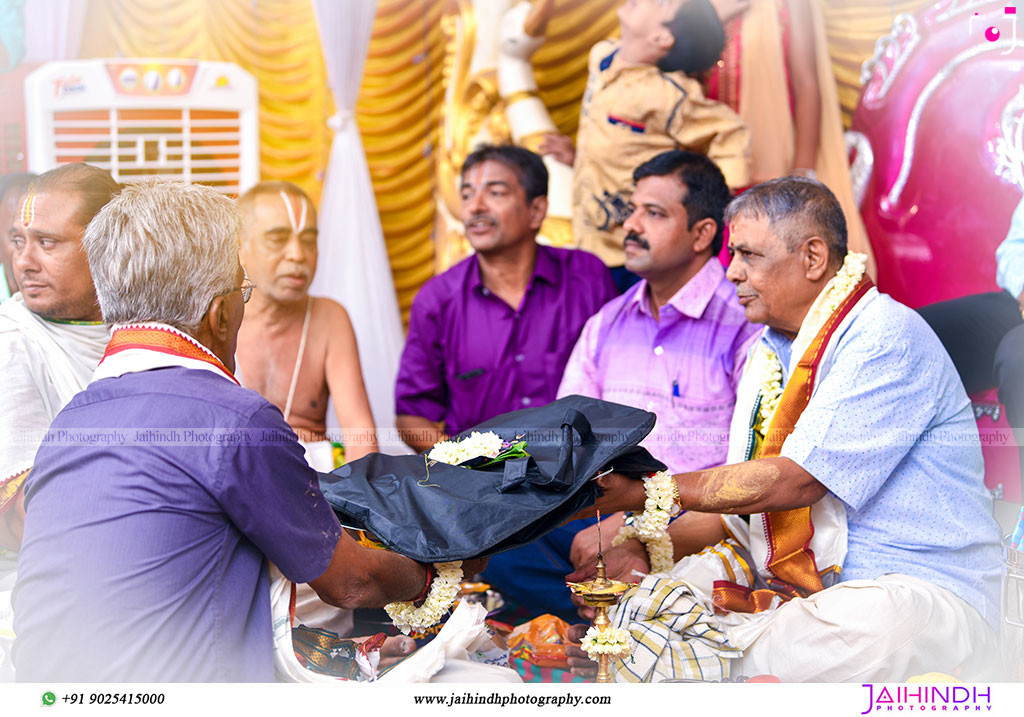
(675, 343)
(871, 553)
(149, 531)
(492, 334)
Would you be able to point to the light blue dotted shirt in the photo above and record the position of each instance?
(890, 432)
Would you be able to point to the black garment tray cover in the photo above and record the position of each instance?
(434, 512)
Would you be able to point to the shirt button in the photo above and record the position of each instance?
(650, 406)
(486, 291)
(520, 358)
(526, 400)
(658, 350)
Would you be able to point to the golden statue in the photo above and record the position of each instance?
(491, 96)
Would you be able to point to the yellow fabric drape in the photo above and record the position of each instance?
(398, 109)
(852, 27)
(275, 40)
(401, 99)
(764, 104)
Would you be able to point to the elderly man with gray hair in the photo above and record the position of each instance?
(870, 553)
(162, 490)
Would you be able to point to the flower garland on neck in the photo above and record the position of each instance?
(771, 391)
(845, 281)
(651, 528)
(443, 591)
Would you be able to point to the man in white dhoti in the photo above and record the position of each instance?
(51, 339)
(870, 552)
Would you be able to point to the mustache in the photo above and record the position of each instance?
(634, 237)
(303, 270)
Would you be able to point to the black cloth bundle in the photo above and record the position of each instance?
(434, 512)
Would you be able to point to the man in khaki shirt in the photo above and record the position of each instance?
(640, 102)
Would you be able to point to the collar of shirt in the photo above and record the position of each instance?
(692, 299)
(635, 73)
(545, 268)
(612, 66)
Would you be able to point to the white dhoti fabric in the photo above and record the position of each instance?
(311, 611)
(319, 455)
(45, 364)
(880, 630)
(459, 653)
(883, 630)
(8, 573)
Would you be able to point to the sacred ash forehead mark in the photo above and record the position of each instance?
(28, 208)
(291, 204)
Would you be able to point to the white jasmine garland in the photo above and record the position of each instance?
(611, 641)
(443, 591)
(476, 445)
(771, 390)
(445, 586)
(843, 284)
(651, 528)
(846, 279)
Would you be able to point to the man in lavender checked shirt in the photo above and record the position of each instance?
(492, 334)
(162, 489)
(676, 342)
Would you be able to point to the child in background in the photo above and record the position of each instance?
(641, 101)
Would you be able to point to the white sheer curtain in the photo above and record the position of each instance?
(53, 29)
(353, 267)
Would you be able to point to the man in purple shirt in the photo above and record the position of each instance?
(492, 334)
(674, 344)
(162, 491)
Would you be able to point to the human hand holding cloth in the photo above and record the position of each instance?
(474, 512)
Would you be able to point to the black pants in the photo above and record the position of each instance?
(984, 335)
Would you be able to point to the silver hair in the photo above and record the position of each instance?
(161, 251)
(795, 208)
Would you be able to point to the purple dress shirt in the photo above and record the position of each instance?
(683, 366)
(155, 502)
(469, 356)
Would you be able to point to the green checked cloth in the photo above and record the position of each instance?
(673, 636)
